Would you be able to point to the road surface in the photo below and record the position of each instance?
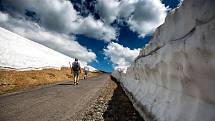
(60, 102)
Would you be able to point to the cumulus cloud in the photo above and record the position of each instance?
(60, 16)
(147, 16)
(142, 16)
(95, 28)
(108, 9)
(59, 42)
(3, 17)
(120, 56)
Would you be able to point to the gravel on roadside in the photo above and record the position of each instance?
(111, 105)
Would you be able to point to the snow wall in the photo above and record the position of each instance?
(173, 78)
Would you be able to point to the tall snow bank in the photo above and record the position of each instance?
(21, 53)
(173, 78)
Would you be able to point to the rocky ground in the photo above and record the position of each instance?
(111, 105)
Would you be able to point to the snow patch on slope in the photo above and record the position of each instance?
(21, 53)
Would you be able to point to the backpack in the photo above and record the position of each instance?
(75, 66)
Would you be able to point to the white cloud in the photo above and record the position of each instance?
(120, 56)
(60, 16)
(108, 9)
(147, 16)
(53, 14)
(95, 28)
(142, 16)
(3, 17)
(59, 42)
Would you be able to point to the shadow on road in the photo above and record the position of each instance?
(67, 84)
(120, 107)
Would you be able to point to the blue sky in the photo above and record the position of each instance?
(104, 33)
(127, 38)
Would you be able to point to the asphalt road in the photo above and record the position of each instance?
(60, 102)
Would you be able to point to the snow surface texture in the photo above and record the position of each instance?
(23, 54)
(173, 78)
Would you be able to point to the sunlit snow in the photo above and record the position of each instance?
(21, 53)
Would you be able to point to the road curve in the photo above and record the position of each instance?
(60, 102)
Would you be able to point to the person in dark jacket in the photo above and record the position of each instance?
(76, 69)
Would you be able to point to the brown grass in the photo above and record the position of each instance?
(11, 80)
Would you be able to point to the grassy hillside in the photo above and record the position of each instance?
(11, 80)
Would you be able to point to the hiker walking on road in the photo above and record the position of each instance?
(76, 71)
(86, 70)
